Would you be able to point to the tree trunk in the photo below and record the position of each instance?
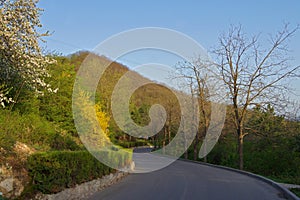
(240, 151)
(205, 147)
(169, 134)
(195, 147)
(205, 159)
(165, 136)
(186, 156)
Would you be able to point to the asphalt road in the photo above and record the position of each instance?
(188, 181)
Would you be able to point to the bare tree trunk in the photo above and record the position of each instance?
(195, 147)
(164, 139)
(169, 135)
(240, 150)
(186, 154)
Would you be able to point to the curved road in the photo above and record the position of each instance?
(188, 181)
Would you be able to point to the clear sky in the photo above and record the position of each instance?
(81, 25)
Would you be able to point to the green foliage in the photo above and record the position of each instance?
(274, 157)
(60, 142)
(133, 143)
(44, 122)
(296, 143)
(58, 107)
(225, 152)
(114, 156)
(51, 172)
(272, 148)
(296, 191)
(140, 115)
(265, 122)
(33, 130)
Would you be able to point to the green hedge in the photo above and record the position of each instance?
(130, 144)
(51, 172)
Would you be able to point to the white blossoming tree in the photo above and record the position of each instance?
(22, 63)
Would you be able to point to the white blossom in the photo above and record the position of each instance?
(20, 54)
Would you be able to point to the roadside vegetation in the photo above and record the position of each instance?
(36, 109)
(296, 191)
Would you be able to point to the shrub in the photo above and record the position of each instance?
(51, 172)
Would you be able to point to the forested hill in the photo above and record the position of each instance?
(140, 102)
(52, 112)
(46, 122)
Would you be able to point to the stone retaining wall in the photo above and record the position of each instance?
(85, 190)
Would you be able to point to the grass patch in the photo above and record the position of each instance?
(285, 179)
(296, 191)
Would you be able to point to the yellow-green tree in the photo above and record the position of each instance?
(92, 128)
(103, 118)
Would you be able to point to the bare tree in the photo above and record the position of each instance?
(253, 75)
(198, 77)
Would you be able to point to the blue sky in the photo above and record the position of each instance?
(78, 25)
